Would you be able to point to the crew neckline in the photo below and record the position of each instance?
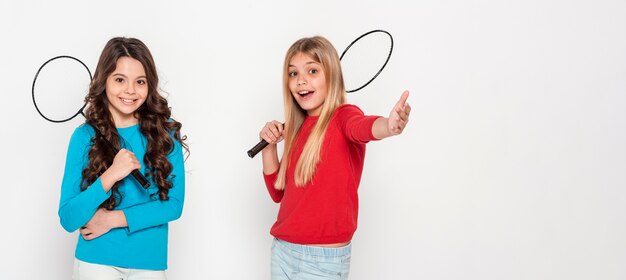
(127, 127)
(312, 118)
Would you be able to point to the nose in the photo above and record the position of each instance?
(301, 80)
(130, 89)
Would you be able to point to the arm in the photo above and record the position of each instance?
(270, 159)
(144, 215)
(158, 212)
(272, 133)
(396, 122)
(102, 222)
(76, 207)
(270, 179)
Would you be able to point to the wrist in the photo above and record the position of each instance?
(381, 128)
(117, 219)
(270, 148)
(107, 181)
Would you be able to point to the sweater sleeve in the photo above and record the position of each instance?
(158, 212)
(270, 179)
(77, 207)
(355, 125)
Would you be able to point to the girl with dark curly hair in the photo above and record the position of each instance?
(123, 227)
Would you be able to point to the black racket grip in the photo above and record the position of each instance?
(140, 178)
(257, 148)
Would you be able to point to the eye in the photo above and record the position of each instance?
(119, 80)
(313, 71)
(141, 82)
(293, 74)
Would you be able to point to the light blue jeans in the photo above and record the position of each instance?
(300, 262)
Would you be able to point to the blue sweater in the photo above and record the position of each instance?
(141, 245)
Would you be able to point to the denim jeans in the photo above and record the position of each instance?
(300, 262)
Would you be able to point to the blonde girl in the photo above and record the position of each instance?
(317, 177)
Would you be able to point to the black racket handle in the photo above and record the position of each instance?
(257, 148)
(140, 178)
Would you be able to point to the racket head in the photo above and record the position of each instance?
(384, 64)
(39, 75)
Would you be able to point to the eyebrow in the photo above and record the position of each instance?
(310, 62)
(120, 74)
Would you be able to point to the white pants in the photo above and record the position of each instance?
(89, 271)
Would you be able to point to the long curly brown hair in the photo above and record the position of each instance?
(154, 118)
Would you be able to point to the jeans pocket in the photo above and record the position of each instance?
(326, 268)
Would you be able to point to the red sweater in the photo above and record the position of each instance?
(325, 210)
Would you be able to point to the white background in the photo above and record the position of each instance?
(513, 165)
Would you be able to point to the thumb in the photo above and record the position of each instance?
(403, 98)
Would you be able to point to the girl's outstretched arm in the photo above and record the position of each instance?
(397, 120)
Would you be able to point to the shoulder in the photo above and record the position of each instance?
(83, 131)
(346, 111)
(82, 138)
(349, 108)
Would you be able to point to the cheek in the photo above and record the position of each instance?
(143, 99)
(292, 85)
(321, 84)
(321, 91)
(293, 93)
(109, 94)
(111, 89)
(142, 92)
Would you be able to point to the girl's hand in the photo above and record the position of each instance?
(123, 163)
(399, 116)
(102, 222)
(272, 132)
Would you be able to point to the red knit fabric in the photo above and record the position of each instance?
(325, 210)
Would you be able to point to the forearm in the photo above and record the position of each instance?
(77, 207)
(270, 159)
(270, 180)
(107, 181)
(154, 213)
(270, 167)
(159, 212)
(380, 128)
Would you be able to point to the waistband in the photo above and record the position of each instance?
(314, 250)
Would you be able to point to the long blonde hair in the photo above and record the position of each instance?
(322, 52)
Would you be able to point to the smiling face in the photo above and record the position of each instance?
(307, 83)
(126, 89)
